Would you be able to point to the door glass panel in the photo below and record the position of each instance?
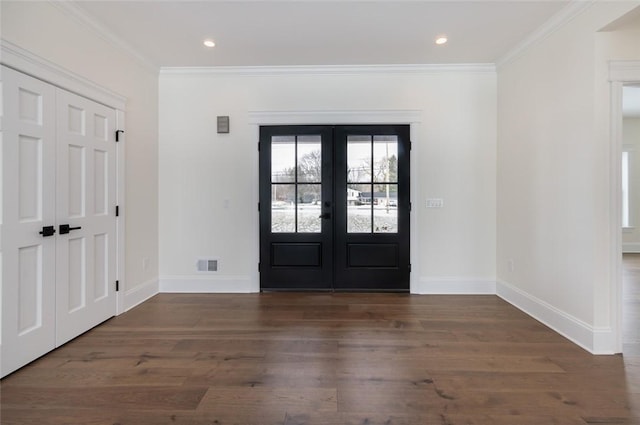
(359, 208)
(385, 208)
(283, 158)
(283, 210)
(309, 159)
(358, 159)
(385, 159)
(309, 208)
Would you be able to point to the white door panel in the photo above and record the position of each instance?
(59, 169)
(28, 272)
(86, 180)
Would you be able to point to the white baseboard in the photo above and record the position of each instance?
(454, 285)
(140, 293)
(594, 340)
(631, 248)
(207, 284)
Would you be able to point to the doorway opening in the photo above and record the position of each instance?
(335, 207)
(630, 216)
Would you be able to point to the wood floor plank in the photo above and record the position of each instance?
(428, 419)
(274, 401)
(80, 416)
(135, 397)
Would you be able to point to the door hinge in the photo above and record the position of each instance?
(258, 206)
(259, 264)
(118, 134)
(409, 268)
(258, 146)
(117, 210)
(117, 285)
(410, 206)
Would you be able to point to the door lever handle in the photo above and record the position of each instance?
(325, 215)
(64, 229)
(47, 231)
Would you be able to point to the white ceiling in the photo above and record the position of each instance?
(320, 32)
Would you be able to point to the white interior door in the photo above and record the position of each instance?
(28, 256)
(86, 199)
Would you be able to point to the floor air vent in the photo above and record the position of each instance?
(207, 265)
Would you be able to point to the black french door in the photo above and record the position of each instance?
(334, 208)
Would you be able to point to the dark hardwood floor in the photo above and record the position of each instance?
(327, 359)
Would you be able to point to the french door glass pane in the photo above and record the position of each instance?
(358, 159)
(359, 208)
(309, 208)
(385, 159)
(310, 159)
(283, 158)
(283, 211)
(385, 208)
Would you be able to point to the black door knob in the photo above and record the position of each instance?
(325, 215)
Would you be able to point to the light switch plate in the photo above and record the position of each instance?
(435, 203)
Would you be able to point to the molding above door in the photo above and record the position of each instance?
(14, 56)
(624, 71)
(383, 116)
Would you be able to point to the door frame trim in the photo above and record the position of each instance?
(337, 117)
(620, 73)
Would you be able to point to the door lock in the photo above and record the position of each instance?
(48, 231)
(325, 215)
(64, 229)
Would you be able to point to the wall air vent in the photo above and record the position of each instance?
(207, 265)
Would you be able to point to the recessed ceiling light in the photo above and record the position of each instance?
(209, 43)
(441, 40)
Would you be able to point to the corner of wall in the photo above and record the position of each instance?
(138, 294)
(596, 340)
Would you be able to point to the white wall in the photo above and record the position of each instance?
(453, 159)
(553, 177)
(631, 141)
(51, 33)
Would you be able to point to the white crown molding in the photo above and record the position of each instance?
(331, 69)
(72, 10)
(38, 67)
(566, 14)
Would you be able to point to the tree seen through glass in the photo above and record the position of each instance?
(372, 189)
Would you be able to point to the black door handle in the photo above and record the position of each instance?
(64, 229)
(325, 215)
(47, 231)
